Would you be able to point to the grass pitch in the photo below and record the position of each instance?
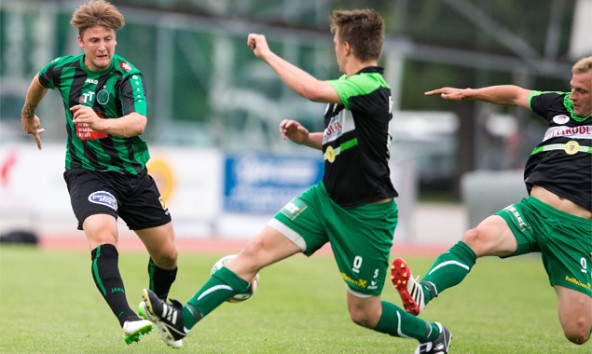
(49, 304)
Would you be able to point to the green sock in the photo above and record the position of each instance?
(449, 269)
(396, 322)
(221, 286)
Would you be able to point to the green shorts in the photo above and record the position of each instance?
(361, 238)
(564, 240)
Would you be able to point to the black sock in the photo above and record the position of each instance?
(161, 279)
(106, 275)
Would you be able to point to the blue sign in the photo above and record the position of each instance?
(264, 183)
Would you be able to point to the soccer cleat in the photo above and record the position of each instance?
(132, 330)
(168, 315)
(143, 312)
(409, 289)
(438, 346)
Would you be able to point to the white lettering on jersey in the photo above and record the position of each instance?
(581, 132)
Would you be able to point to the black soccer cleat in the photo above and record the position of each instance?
(439, 346)
(168, 315)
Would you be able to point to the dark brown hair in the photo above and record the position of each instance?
(362, 29)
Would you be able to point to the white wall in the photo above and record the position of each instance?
(33, 194)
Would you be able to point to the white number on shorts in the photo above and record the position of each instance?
(584, 265)
(357, 264)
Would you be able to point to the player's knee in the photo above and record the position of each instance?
(362, 318)
(253, 248)
(473, 238)
(578, 331)
(478, 240)
(166, 259)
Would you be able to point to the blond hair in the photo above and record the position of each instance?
(582, 66)
(97, 13)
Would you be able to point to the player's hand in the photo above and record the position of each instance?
(33, 126)
(258, 44)
(448, 93)
(294, 131)
(86, 115)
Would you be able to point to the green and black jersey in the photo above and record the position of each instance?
(356, 140)
(562, 162)
(112, 93)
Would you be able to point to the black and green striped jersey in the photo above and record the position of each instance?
(562, 162)
(112, 93)
(356, 140)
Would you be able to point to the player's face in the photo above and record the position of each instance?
(581, 93)
(98, 43)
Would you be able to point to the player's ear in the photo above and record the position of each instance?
(347, 48)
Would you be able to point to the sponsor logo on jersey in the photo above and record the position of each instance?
(577, 282)
(103, 198)
(579, 132)
(572, 147)
(330, 154)
(294, 208)
(103, 97)
(163, 205)
(85, 132)
(361, 283)
(518, 220)
(87, 98)
(561, 119)
(125, 66)
(91, 81)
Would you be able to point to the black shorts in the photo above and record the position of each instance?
(134, 198)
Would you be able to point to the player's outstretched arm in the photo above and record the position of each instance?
(503, 94)
(297, 79)
(29, 120)
(297, 133)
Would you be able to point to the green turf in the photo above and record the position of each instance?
(49, 304)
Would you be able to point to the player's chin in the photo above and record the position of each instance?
(103, 63)
(581, 112)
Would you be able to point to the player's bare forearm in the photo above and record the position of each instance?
(127, 126)
(297, 133)
(30, 122)
(28, 111)
(502, 94)
(315, 140)
(130, 125)
(297, 79)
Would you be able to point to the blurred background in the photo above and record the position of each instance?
(214, 107)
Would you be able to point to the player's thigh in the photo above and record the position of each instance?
(143, 207)
(100, 229)
(160, 244)
(269, 247)
(91, 194)
(575, 310)
(492, 237)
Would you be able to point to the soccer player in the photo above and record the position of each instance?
(352, 208)
(556, 218)
(105, 170)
